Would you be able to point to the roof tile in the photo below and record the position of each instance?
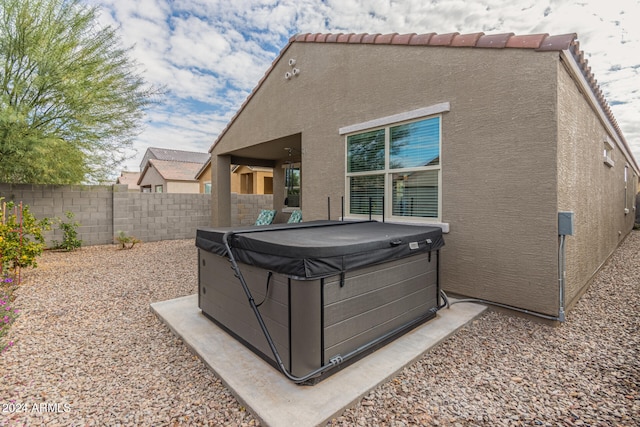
(494, 40)
(561, 42)
(466, 40)
(343, 38)
(332, 38)
(369, 38)
(385, 38)
(530, 41)
(402, 38)
(356, 38)
(421, 39)
(442, 39)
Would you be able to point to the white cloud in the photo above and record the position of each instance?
(214, 52)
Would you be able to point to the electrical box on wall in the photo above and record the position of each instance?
(565, 223)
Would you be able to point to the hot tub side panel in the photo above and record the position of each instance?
(377, 300)
(222, 299)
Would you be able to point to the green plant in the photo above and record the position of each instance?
(21, 238)
(70, 239)
(126, 242)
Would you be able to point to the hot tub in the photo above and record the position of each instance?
(311, 297)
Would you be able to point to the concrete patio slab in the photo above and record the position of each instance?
(275, 400)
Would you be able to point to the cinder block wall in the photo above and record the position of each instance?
(246, 207)
(103, 210)
(92, 206)
(159, 216)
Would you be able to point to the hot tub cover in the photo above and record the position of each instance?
(317, 249)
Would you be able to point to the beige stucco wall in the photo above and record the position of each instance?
(185, 187)
(205, 177)
(593, 190)
(152, 178)
(258, 180)
(498, 149)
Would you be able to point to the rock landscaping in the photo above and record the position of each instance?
(88, 352)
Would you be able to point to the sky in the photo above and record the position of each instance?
(208, 55)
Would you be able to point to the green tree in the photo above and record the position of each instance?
(71, 100)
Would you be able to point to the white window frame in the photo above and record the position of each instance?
(386, 123)
(608, 152)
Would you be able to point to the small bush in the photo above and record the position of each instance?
(126, 242)
(70, 239)
(21, 238)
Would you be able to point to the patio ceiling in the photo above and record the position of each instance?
(269, 153)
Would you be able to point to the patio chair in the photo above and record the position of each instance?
(296, 216)
(265, 217)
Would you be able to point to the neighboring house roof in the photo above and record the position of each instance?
(534, 42)
(174, 155)
(173, 170)
(129, 178)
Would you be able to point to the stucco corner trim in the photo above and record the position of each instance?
(401, 117)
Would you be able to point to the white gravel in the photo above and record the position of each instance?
(89, 352)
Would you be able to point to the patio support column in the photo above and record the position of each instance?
(221, 191)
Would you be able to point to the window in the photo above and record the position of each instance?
(292, 185)
(626, 192)
(158, 189)
(395, 170)
(207, 188)
(608, 152)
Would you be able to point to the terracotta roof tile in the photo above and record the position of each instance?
(332, 38)
(402, 38)
(561, 42)
(442, 39)
(535, 42)
(421, 39)
(385, 38)
(369, 38)
(494, 40)
(531, 41)
(466, 40)
(356, 38)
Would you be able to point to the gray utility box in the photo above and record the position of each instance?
(354, 295)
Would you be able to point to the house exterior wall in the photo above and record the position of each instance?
(498, 156)
(587, 186)
(245, 180)
(185, 187)
(204, 178)
(152, 178)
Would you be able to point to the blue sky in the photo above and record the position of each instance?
(210, 54)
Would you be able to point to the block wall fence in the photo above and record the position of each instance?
(104, 210)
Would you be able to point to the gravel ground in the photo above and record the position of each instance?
(89, 352)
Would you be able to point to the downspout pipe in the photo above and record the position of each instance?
(562, 274)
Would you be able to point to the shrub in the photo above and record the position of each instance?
(21, 238)
(126, 242)
(70, 239)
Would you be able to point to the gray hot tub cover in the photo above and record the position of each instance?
(316, 249)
